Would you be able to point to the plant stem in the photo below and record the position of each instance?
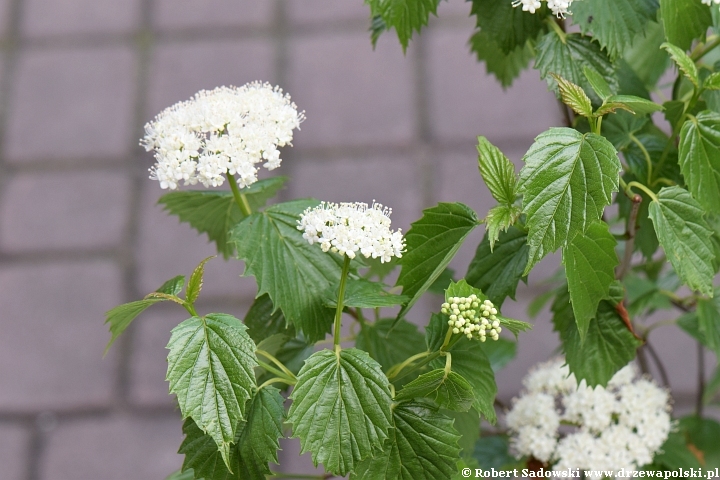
(658, 363)
(648, 161)
(277, 362)
(240, 198)
(300, 476)
(274, 370)
(645, 189)
(429, 358)
(630, 232)
(399, 367)
(340, 300)
(273, 380)
(712, 43)
(701, 379)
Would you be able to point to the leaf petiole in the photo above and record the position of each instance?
(642, 187)
(285, 371)
(394, 371)
(340, 300)
(240, 198)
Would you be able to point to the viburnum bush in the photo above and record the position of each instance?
(389, 402)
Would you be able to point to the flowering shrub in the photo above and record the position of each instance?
(389, 402)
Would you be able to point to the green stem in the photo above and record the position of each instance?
(299, 476)
(645, 189)
(712, 43)
(340, 300)
(448, 336)
(274, 370)
(646, 155)
(448, 363)
(240, 198)
(274, 380)
(598, 126)
(277, 362)
(430, 357)
(558, 30)
(399, 367)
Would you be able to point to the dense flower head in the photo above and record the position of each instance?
(472, 318)
(620, 426)
(559, 8)
(348, 228)
(225, 130)
(710, 2)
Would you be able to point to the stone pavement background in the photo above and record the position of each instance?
(80, 231)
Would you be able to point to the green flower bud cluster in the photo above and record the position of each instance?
(472, 318)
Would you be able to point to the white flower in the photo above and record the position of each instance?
(710, 2)
(527, 5)
(348, 228)
(620, 426)
(228, 129)
(559, 7)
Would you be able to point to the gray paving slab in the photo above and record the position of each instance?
(352, 95)
(70, 104)
(174, 14)
(120, 447)
(179, 70)
(53, 335)
(14, 451)
(58, 17)
(465, 102)
(56, 211)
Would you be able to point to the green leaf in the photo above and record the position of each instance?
(263, 320)
(256, 443)
(573, 96)
(685, 237)
(363, 293)
(379, 269)
(684, 21)
(180, 475)
(447, 389)
(703, 434)
(505, 66)
(210, 369)
(435, 331)
(631, 103)
(499, 219)
(423, 445)
(390, 346)
(683, 61)
(441, 283)
(709, 323)
(341, 408)
(598, 83)
(590, 262)
(497, 271)
(608, 345)
(700, 158)
(712, 82)
(468, 426)
(432, 242)
(405, 16)
(646, 58)
(292, 272)
(196, 281)
(500, 352)
(215, 213)
(712, 387)
(614, 23)
(507, 26)
(497, 171)
(469, 360)
(569, 58)
(674, 112)
(120, 317)
(494, 452)
(173, 286)
(567, 181)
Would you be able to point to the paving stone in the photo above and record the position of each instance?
(52, 17)
(391, 180)
(64, 210)
(114, 448)
(352, 95)
(148, 362)
(212, 13)
(321, 11)
(53, 335)
(69, 104)
(179, 70)
(466, 102)
(167, 248)
(14, 443)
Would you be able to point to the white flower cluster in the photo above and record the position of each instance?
(228, 129)
(559, 7)
(621, 426)
(710, 2)
(347, 228)
(472, 318)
